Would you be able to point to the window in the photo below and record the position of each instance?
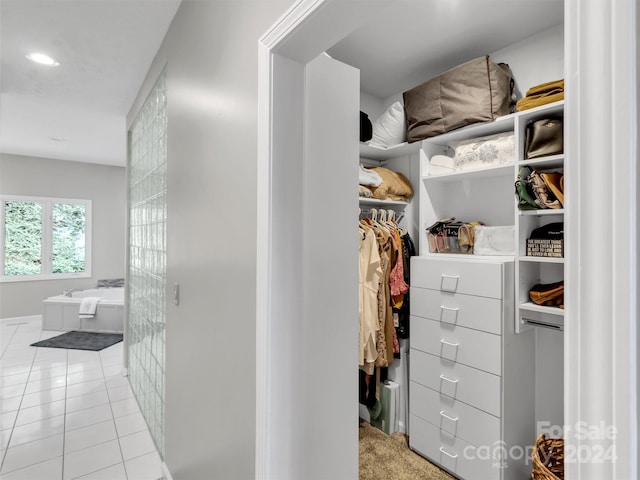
(44, 238)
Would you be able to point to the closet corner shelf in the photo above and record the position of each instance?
(541, 212)
(532, 307)
(375, 152)
(530, 258)
(549, 108)
(499, 125)
(503, 169)
(552, 161)
(381, 203)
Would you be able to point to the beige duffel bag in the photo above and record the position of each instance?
(476, 91)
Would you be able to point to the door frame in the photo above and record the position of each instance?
(601, 357)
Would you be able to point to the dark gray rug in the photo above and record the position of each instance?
(81, 341)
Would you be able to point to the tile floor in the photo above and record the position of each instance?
(67, 414)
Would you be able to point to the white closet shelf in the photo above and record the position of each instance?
(504, 169)
(499, 125)
(382, 203)
(541, 212)
(376, 152)
(533, 259)
(532, 307)
(552, 161)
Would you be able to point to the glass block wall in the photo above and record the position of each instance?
(147, 254)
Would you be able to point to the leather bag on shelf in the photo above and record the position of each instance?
(555, 183)
(524, 191)
(477, 91)
(544, 137)
(542, 94)
(545, 198)
(366, 127)
(466, 236)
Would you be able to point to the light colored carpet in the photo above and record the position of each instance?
(388, 457)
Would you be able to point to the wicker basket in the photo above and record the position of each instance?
(548, 458)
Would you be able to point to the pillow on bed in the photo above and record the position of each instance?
(390, 128)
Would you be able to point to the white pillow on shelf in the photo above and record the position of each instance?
(390, 127)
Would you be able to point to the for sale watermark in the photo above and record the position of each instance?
(584, 443)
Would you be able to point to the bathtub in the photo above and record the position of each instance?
(62, 313)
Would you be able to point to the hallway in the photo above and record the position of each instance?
(67, 414)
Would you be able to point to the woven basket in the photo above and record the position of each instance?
(548, 459)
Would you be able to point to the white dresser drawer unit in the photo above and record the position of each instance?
(469, 385)
(454, 417)
(454, 454)
(474, 348)
(480, 313)
(471, 277)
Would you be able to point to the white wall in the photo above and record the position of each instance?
(104, 185)
(211, 60)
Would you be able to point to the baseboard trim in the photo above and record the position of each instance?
(166, 475)
(18, 320)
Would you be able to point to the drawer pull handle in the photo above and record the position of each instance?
(449, 283)
(448, 379)
(450, 455)
(448, 417)
(451, 309)
(449, 314)
(451, 344)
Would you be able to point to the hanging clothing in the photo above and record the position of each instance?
(370, 272)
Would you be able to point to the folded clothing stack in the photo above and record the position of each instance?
(384, 184)
(541, 95)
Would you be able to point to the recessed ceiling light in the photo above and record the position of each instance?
(43, 59)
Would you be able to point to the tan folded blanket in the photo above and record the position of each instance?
(541, 95)
(394, 186)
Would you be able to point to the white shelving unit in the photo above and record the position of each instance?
(399, 156)
(488, 195)
(532, 270)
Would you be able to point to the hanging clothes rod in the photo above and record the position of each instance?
(381, 214)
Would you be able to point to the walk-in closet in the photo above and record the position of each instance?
(482, 372)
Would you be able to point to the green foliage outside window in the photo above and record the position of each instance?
(68, 238)
(24, 233)
(23, 238)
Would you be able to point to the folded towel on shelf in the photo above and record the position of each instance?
(369, 177)
(442, 161)
(88, 307)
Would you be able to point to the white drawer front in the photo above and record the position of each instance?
(454, 417)
(473, 348)
(480, 313)
(483, 279)
(469, 385)
(453, 454)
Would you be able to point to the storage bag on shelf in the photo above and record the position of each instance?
(476, 91)
(484, 151)
(494, 240)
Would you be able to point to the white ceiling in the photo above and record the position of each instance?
(105, 48)
(77, 110)
(415, 40)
